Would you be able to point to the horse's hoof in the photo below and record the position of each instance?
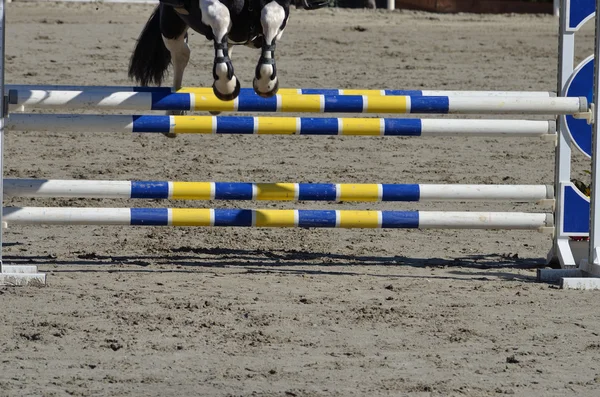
(170, 134)
(265, 94)
(228, 97)
(214, 112)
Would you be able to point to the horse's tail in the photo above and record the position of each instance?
(150, 58)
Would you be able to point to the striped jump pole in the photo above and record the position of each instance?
(279, 125)
(285, 91)
(298, 103)
(273, 191)
(344, 219)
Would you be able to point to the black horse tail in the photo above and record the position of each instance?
(150, 59)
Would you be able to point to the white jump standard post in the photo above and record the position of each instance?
(10, 275)
(590, 268)
(577, 216)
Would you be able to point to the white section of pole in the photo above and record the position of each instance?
(484, 220)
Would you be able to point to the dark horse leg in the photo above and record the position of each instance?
(216, 15)
(174, 34)
(273, 18)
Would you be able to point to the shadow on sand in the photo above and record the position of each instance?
(187, 259)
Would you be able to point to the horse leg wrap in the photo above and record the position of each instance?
(267, 58)
(265, 81)
(223, 87)
(224, 58)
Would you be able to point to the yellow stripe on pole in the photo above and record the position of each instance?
(277, 125)
(301, 103)
(196, 90)
(191, 191)
(387, 104)
(362, 92)
(366, 192)
(361, 126)
(193, 124)
(211, 103)
(275, 191)
(359, 219)
(190, 217)
(275, 218)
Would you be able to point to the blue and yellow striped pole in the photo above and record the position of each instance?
(166, 101)
(345, 219)
(279, 125)
(273, 191)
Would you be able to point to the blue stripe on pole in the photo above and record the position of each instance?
(318, 126)
(431, 104)
(316, 192)
(248, 91)
(149, 190)
(402, 127)
(320, 91)
(169, 101)
(341, 103)
(403, 92)
(400, 219)
(235, 125)
(233, 217)
(400, 192)
(152, 123)
(233, 191)
(144, 89)
(149, 216)
(254, 103)
(318, 218)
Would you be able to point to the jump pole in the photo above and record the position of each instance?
(43, 188)
(280, 125)
(344, 219)
(297, 103)
(282, 91)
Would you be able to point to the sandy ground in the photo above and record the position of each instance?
(238, 312)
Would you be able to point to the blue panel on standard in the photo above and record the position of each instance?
(402, 127)
(149, 190)
(169, 101)
(579, 12)
(149, 216)
(310, 218)
(400, 193)
(233, 191)
(581, 84)
(320, 91)
(317, 192)
(400, 219)
(343, 104)
(151, 123)
(254, 103)
(235, 125)
(576, 213)
(318, 126)
(429, 104)
(233, 217)
(403, 92)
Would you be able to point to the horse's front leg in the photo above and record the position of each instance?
(273, 18)
(216, 15)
